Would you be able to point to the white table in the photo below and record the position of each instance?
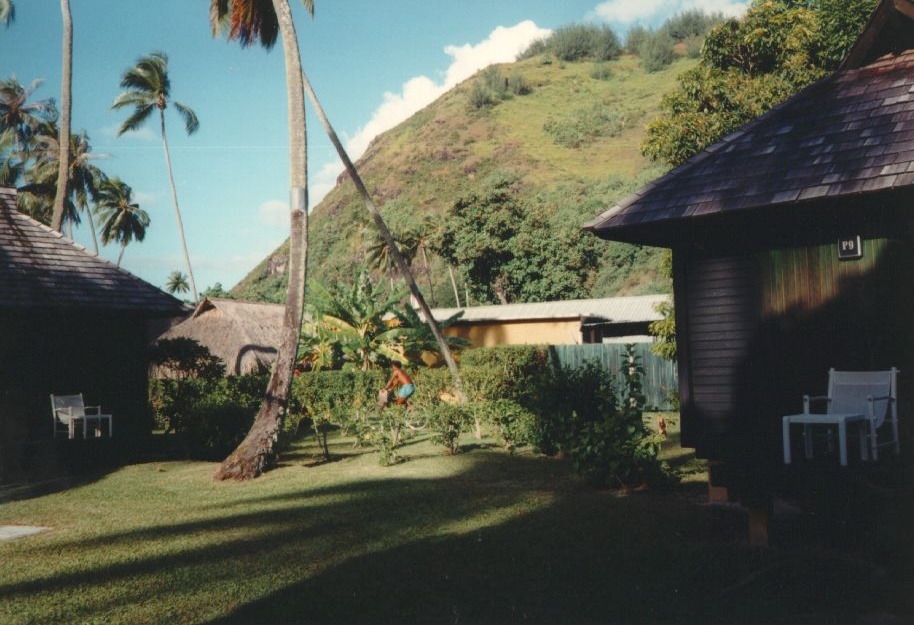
(836, 419)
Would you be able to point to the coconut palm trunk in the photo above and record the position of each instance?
(195, 296)
(399, 261)
(257, 452)
(66, 106)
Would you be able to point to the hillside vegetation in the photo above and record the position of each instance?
(567, 137)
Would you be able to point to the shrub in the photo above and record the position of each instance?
(210, 416)
(584, 41)
(480, 97)
(656, 51)
(447, 422)
(601, 71)
(518, 84)
(515, 424)
(584, 126)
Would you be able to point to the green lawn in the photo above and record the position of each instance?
(480, 537)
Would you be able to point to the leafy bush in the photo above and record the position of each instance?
(480, 97)
(656, 51)
(584, 41)
(447, 422)
(211, 416)
(184, 357)
(601, 71)
(584, 126)
(518, 85)
(516, 425)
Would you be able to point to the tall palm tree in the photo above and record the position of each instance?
(177, 283)
(122, 220)
(248, 22)
(148, 88)
(7, 12)
(66, 107)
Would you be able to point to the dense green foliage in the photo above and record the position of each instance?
(510, 248)
(749, 65)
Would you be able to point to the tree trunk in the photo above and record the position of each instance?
(257, 452)
(63, 132)
(450, 271)
(174, 197)
(399, 261)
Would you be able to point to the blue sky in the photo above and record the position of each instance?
(372, 64)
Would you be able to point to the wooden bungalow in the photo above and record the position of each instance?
(70, 322)
(568, 322)
(244, 335)
(793, 251)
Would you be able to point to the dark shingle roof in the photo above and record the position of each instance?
(39, 268)
(851, 133)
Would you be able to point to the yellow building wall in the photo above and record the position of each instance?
(553, 332)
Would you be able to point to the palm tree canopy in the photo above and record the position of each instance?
(177, 283)
(248, 21)
(122, 220)
(147, 88)
(17, 114)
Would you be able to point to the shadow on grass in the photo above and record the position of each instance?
(507, 540)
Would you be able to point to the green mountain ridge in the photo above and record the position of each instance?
(570, 136)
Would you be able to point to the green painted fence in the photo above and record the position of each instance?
(659, 375)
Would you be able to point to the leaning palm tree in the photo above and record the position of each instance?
(249, 22)
(148, 88)
(66, 107)
(177, 283)
(399, 261)
(122, 220)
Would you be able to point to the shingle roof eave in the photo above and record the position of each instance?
(42, 269)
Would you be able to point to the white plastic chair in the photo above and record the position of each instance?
(68, 411)
(865, 398)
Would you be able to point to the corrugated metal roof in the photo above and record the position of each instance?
(40, 268)
(851, 133)
(614, 309)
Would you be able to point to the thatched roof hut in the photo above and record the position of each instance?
(245, 335)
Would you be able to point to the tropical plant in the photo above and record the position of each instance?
(148, 88)
(249, 21)
(66, 106)
(122, 220)
(177, 283)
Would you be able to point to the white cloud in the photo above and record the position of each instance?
(654, 12)
(273, 213)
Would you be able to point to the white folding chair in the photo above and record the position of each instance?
(868, 399)
(68, 411)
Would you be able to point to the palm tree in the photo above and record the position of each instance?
(7, 12)
(66, 107)
(122, 220)
(177, 283)
(18, 115)
(148, 88)
(250, 21)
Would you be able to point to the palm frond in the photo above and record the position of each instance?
(191, 123)
(136, 119)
